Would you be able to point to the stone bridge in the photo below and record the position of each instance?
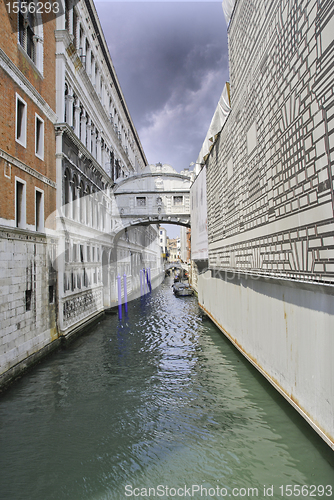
(158, 195)
(178, 265)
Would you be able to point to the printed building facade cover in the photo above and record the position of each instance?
(199, 220)
(270, 172)
(228, 6)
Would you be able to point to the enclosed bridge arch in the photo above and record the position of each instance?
(158, 195)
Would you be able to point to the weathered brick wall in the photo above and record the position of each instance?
(28, 284)
(8, 91)
(9, 170)
(270, 173)
(20, 76)
(44, 84)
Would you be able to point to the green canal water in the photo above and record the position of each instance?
(159, 405)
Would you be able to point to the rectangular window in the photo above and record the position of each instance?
(39, 137)
(27, 28)
(51, 294)
(178, 200)
(28, 300)
(75, 252)
(20, 203)
(66, 282)
(141, 201)
(67, 251)
(39, 210)
(81, 253)
(21, 121)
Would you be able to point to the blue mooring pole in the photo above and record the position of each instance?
(149, 279)
(141, 282)
(125, 295)
(119, 285)
(144, 276)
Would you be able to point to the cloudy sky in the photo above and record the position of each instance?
(172, 63)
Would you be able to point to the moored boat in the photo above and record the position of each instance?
(182, 289)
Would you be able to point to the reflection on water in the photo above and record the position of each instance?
(160, 398)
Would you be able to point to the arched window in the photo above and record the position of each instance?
(82, 203)
(75, 197)
(112, 166)
(118, 169)
(66, 196)
(93, 209)
(75, 117)
(98, 210)
(88, 206)
(66, 94)
(103, 214)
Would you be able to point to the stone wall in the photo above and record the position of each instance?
(285, 330)
(27, 297)
(28, 282)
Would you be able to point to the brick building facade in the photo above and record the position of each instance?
(27, 187)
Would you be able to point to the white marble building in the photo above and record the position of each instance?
(97, 145)
(163, 241)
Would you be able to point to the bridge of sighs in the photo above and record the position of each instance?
(158, 195)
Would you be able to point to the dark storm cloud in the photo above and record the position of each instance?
(171, 60)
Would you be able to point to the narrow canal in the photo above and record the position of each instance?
(160, 403)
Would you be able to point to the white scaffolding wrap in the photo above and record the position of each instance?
(228, 6)
(199, 218)
(220, 115)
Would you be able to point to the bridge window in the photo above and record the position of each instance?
(141, 201)
(178, 200)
